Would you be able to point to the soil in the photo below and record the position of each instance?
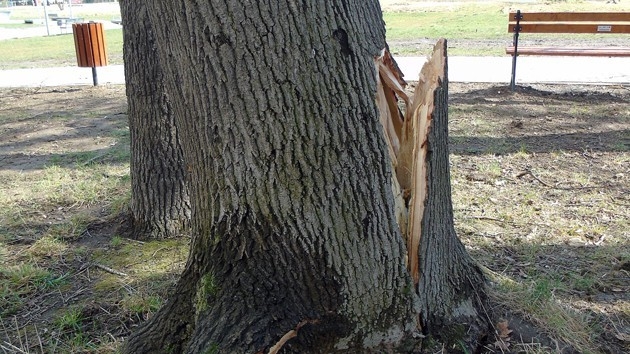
(489, 122)
(58, 120)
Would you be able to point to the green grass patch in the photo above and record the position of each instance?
(20, 281)
(142, 304)
(465, 22)
(69, 320)
(51, 51)
(536, 299)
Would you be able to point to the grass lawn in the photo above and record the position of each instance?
(478, 29)
(470, 22)
(52, 51)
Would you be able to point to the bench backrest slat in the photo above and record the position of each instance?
(571, 22)
(572, 16)
(571, 28)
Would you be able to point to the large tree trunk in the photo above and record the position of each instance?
(159, 195)
(293, 216)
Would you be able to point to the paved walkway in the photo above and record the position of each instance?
(587, 70)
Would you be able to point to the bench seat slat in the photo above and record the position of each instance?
(572, 16)
(575, 51)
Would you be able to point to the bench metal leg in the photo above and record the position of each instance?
(517, 29)
(513, 77)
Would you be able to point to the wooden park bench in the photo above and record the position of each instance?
(566, 22)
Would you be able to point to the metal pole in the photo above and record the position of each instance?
(70, 7)
(46, 17)
(515, 43)
(94, 77)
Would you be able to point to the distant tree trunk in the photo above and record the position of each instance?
(160, 205)
(293, 221)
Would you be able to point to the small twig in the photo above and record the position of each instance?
(13, 348)
(290, 334)
(486, 218)
(529, 172)
(85, 163)
(76, 293)
(109, 270)
(157, 250)
(481, 217)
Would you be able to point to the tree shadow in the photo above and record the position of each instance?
(495, 120)
(570, 93)
(611, 141)
(61, 127)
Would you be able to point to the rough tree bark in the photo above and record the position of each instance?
(450, 284)
(159, 196)
(293, 215)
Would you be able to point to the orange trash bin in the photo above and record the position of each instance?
(89, 43)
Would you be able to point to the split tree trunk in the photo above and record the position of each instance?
(449, 283)
(159, 195)
(295, 232)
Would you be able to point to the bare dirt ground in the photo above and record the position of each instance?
(541, 189)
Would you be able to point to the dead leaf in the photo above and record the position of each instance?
(503, 330)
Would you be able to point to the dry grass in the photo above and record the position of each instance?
(67, 282)
(540, 189)
(541, 180)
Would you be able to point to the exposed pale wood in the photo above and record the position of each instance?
(545, 27)
(572, 16)
(410, 157)
(390, 87)
(412, 171)
(590, 52)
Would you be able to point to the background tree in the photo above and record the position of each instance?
(293, 215)
(159, 196)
